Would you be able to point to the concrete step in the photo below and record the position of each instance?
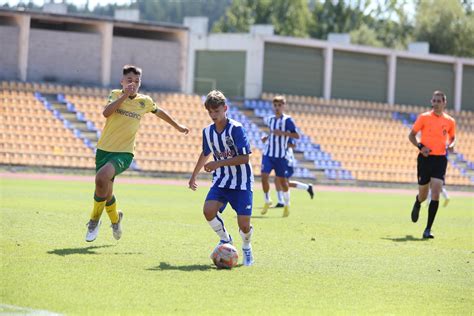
(71, 117)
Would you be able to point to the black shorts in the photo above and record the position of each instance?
(431, 167)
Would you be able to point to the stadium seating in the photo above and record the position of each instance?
(347, 139)
(368, 141)
(160, 147)
(31, 135)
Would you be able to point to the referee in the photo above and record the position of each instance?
(437, 133)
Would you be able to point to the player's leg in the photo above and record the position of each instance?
(436, 187)
(102, 181)
(215, 202)
(281, 202)
(241, 202)
(267, 167)
(445, 195)
(302, 186)
(281, 175)
(428, 198)
(114, 215)
(439, 165)
(246, 231)
(424, 177)
(286, 195)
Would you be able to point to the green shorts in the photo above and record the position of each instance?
(121, 161)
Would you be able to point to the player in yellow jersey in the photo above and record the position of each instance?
(115, 148)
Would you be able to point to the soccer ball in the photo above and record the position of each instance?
(225, 256)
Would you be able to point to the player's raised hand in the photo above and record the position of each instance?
(183, 129)
(264, 138)
(192, 184)
(129, 89)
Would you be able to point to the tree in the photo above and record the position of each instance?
(447, 26)
(288, 17)
(337, 17)
(365, 36)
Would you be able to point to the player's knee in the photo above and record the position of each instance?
(101, 181)
(422, 197)
(244, 227)
(208, 213)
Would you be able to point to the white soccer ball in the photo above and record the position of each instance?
(225, 256)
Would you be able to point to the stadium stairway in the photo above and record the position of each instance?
(457, 160)
(318, 163)
(254, 132)
(73, 120)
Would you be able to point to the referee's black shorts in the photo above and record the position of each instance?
(431, 167)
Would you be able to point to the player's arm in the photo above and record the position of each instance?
(294, 134)
(417, 126)
(234, 161)
(451, 144)
(425, 151)
(199, 164)
(113, 106)
(452, 138)
(290, 130)
(162, 114)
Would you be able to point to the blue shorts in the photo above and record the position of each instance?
(240, 200)
(278, 164)
(289, 172)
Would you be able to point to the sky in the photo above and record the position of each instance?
(78, 3)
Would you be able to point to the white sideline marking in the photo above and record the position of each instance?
(6, 309)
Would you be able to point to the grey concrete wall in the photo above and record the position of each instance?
(468, 88)
(9, 52)
(66, 57)
(160, 61)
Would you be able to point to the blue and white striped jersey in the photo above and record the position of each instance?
(276, 145)
(231, 142)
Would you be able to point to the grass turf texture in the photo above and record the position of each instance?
(341, 252)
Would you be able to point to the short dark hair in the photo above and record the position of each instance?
(131, 68)
(214, 99)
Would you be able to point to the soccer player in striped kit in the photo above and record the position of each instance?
(233, 178)
(282, 128)
(290, 169)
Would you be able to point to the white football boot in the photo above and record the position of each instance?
(117, 228)
(92, 230)
(247, 256)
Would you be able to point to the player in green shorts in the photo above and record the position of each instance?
(115, 148)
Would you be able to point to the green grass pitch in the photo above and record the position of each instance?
(339, 253)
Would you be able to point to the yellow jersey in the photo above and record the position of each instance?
(122, 126)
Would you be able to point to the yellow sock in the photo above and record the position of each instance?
(111, 208)
(99, 204)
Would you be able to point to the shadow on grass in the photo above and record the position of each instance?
(77, 251)
(194, 267)
(404, 239)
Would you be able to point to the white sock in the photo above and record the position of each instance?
(267, 197)
(246, 238)
(217, 224)
(280, 197)
(445, 194)
(286, 196)
(301, 185)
